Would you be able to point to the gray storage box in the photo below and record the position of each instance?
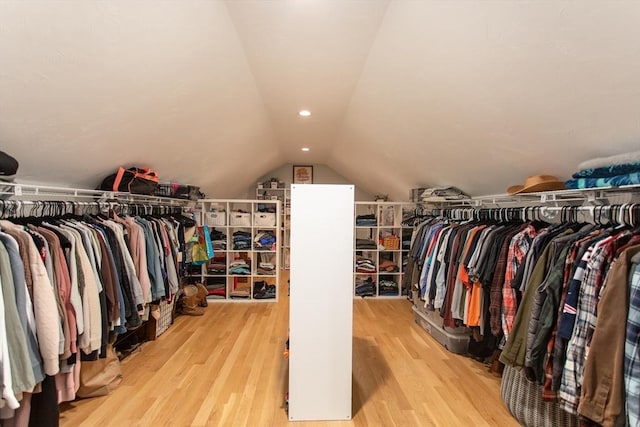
(455, 340)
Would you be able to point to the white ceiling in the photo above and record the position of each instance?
(403, 93)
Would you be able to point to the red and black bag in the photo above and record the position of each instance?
(132, 180)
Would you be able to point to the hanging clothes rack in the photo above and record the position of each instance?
(619, 205)
(625, 214)
(498, 273)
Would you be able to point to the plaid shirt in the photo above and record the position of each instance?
(518, 249)
(495, 298)
(585, 317)
(632, 350)
(550, 388)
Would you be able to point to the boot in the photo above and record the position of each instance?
(496, 367)
(202, 295)
(190, 301)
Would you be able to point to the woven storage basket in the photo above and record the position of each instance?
(264, 219)
(391, 242)
(240, 218)
(216, 219)
(523, 398)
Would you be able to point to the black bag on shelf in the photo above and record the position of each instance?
(190, 192)
(132, 180)
(8, 165)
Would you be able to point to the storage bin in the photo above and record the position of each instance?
(164, 313)
(216, 219)
(264, 219)
(523, 398)
(391, 242)
(454, 342)
(242, 219)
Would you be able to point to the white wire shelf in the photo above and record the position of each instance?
(30, 192)
(577, 197)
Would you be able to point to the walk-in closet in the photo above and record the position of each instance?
(320, 213)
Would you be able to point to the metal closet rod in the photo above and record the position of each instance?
(38, 208)
(623, 214)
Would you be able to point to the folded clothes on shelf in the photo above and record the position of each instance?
(388, 287)
(365, 287)
(388, 266)
(366, 244)
(441, 194)
(612, 181)
(217, 268)
(612, 171)
(241, 240)
(368, 220)
(365, 265)
(619, 162)
(266, 269)
(217, 291)
(264, 240)
(239, 267)
(219, 243)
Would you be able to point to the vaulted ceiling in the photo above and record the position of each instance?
(402, 93)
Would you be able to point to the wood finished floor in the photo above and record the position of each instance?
(226, 369)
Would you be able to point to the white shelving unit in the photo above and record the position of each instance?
(381, 246)
(280, 191)
(246, 240)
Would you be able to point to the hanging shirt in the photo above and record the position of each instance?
(632, 348)
(22, 374)
(5, 361)
(24, 305)
(518, 249)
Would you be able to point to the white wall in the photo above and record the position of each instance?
(322, 174)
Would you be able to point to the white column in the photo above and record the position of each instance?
(321, 302)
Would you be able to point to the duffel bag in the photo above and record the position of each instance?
(132, 180)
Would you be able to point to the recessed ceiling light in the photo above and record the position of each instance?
(305, 148)
(304, 113)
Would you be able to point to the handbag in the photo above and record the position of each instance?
(202, 251)
(100, 377)
(133, 180)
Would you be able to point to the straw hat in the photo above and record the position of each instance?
(536, 183)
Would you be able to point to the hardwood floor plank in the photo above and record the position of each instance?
(226, 369)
